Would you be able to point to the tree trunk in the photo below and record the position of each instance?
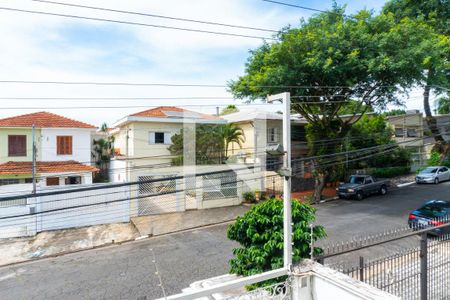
(319, 184)
(431, 120)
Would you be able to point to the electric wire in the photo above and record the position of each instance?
(156, 16)
(78, 17)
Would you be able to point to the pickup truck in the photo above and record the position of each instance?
(360, 186)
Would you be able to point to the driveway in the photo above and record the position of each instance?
(128, 271)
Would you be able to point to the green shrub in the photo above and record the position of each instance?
(435, 159)
(249, 197)
(260, 235)
(390, 172)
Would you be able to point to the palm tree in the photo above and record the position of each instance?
(103, 151)
(231, 133)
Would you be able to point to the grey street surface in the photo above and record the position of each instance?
(128, 271)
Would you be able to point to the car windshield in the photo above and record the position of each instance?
(432, 210)
(356, 180)
(429, 170)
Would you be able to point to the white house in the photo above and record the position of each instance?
(63, 150)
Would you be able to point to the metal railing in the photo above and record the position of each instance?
(419, 272)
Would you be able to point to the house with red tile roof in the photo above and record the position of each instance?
(142, 139)
(63, 150)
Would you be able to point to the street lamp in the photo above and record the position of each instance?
(285, 98)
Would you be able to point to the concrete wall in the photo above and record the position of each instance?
(4, 132)
(81, 144)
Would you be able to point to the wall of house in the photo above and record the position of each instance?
(4, 132)
(81, 143)
(140, 140)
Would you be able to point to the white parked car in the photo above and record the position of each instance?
(433, 175)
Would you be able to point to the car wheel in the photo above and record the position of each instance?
(436, 180)
(359, 196)
(383, 190)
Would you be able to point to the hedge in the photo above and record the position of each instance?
(390, 172)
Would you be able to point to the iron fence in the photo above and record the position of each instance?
(418, 272)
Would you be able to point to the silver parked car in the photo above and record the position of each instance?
(433, 175)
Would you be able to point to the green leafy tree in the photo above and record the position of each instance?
(372, 131)
(433, 48)
(332, 59)
(394, 112)
(229, 110)
(260, 235)
(103, 151)
(443, 106)
(211, 143)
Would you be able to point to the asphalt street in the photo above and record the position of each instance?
(129, 271)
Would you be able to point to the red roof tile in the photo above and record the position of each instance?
(12, 167)
(160, 112)
(43, 120)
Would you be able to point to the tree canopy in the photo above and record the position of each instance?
(328, 61)
(433, 47)
(231, 108)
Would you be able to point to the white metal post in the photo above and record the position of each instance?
(33, 157)
(287, 217)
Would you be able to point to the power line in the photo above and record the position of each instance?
(187, 85)
(135, 23)
(156, 16)
(297, 6)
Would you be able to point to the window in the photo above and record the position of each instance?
(368, 180)
(64, 145)
(160, 138)
(28, 180)
(52, 181)
(411, 132)
(72, 180)
(273, 135)
(9, 181)
(17, 145)
(399, 132)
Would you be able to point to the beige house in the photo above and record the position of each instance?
(411, 132)
(142, 139)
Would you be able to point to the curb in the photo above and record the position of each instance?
(405, 184)
(329, 199)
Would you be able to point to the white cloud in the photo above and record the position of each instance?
(36, 47)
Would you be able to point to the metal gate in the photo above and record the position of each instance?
(219, 186)
(162, 196)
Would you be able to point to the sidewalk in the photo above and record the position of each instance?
(59, 242)
(167, 223)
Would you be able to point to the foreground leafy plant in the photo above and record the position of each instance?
(260, 234)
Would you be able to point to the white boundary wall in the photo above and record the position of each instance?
(29, 216)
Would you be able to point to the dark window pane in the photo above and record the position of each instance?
(159, 137)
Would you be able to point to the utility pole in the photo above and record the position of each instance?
(285, 98)
(33, 154)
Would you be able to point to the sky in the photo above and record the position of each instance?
(50, 48)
